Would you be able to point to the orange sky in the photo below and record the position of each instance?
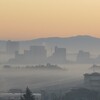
(27, 19)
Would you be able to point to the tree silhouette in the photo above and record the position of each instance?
(28, 95)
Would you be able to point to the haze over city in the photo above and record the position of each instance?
(49, 50)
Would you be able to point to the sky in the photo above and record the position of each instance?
(28, 19)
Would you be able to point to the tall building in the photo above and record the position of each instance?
(12, 47)
(83, 57)
(59, 56)
(38, 54)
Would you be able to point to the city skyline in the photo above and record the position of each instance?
(29, 19)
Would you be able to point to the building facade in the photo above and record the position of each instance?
(92, 81)
(12, 47)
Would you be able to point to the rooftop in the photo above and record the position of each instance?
(92, 74)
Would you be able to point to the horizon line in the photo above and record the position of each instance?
(50, 37)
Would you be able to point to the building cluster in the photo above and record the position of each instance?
(85, 58)
(38, 55)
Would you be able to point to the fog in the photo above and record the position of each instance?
(38, 79)
(75, 55)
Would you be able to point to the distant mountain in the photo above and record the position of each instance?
(72, 44)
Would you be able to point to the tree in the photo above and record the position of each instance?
(28, 95)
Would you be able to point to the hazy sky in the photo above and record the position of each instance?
(27, 19)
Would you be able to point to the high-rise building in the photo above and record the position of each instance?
(83, 57)
(12, 47)
(36, 55)
(59, 56)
